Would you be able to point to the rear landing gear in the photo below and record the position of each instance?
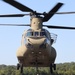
(52, 66)
(20, 67)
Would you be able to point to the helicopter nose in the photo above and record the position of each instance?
(38, 43)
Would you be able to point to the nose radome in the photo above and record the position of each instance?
(37, 42)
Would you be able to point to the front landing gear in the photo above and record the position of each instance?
(20, 67)
(52, 66)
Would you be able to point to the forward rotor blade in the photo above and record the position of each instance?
(13, 15)
(52, 12)
(18, 5)
(14, 24)
(59, 27)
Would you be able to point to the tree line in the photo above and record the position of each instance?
(61, 69)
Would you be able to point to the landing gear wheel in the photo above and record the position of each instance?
(21, 68)
(51, 70)
(18, 66)
(54, 66)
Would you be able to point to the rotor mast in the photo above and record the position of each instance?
(36, 22)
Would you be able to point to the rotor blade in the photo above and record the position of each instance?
(14, 24)
(65, 12)
(18, 5)
(52, 12)
(13, 15)
(59, 27)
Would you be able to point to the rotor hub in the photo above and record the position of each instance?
(36, 23)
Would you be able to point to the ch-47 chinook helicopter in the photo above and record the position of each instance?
(36, 46)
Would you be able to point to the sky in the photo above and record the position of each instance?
(10, 36)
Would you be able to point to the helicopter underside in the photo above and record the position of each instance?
(36, 57)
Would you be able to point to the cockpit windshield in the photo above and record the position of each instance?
(36, 33)
(31, 34)
(42, 33)
(28, 34)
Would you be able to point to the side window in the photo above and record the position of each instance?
(48, 34)
(28, 34)
(42, 34)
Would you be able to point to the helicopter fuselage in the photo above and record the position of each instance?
(36, 49)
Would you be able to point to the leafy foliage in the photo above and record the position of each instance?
(62, 69)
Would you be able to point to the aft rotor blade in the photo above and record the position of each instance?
(65, 13)
(13, 15)
(59, 27)
(52, 12)
(18, 5)
(14, 24)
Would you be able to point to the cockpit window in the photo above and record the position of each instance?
(29, 34)
(42, 34)
(36, 33)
